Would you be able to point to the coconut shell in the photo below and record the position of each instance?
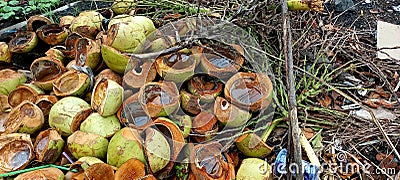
(123, 6)
(66, 21)
(45, 71)
(23, 42)
(103, 126)
(52, 34)
(176, 67)
(100, 171)
(67, 114)
(56, 53)
(24, 92)
(37, 21)
(109, 74)
(107, 97)
(69, 51)
(254, 168)
(154, 142)
(228, 114)
(48, 146)
(45, 102)
(25, 118)
(87, 53)
(114, 59)
(125, 36)
(159, 99)
(131, 169)
(4, 106)
(204, 124)
(251, 145)
(140, 73)
(9, 80)
(16, 151)
(5, 53)
(249, 91)
(124, 145)
(42, 174)
(71, 83)
(82, 144)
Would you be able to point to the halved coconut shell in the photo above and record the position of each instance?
(125, 36)
(107, 97)
(153, 143)
(252, 145)
(16, 152)
(5, 53)
(139, 73)
(56, 53)
(23, 42)
(9, 80)
(209, 162)
(109, 74)
(72, 82)
(159, 98)
(222, 61)
(100, 171)
(249, 91)
(37, 21)
(114, 59)
(132, 113)
(52, 34)
(68, 113)
(45, 102)
(24, 92)
(45, 71)
(48, 146)
(70, 45)
(4, 106)
(230, 115)
(87, 24)
(124, 145)
(204, 125)
(176, 67)
(194, 104)
(103, 126)
(25, 118)
(42, 174)
(82, 144)
(204, 84)
(131, 169)
(87, 53)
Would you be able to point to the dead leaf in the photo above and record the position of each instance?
(308, 132)
(325, 101)
(382, 92)
(172, 16)
(371, 103)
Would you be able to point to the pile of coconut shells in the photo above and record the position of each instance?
(102, 104)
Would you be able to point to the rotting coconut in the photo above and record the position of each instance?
(9, 80)
(25, 118)
(249, 91)
(37, 21)
(254, 168)
(48, 146)
(139, 73)
(87, 24)
(204, 126)
(124, 145)
(56, 53)
(131, 169)
(145, 22)
(114, 59)
(65, 21)
(154, 142)
(123, 6)
(70, 42)
(45, 102)
(176, 67)
(203, 84)
(23, 42)
(82, 144)
(71, 83)
(24, 92)
(159, 44)
(45, 71)
(5, 53)
(16, 151)
(119, 19)
(251, 145)
(230, 115)
(222, 61)
(68, 113)
(100, 171)
(109, 74)
(125, 36)
(87, 53)
(52, 34)
(159, 98)
(84, 163)
(103, 126)
(42, 174)
(4, 106)
(107, 97)
(208, 162)
(132, 113)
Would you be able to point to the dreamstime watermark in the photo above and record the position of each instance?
(342, 166)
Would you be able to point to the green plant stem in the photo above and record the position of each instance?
(271, 127)
(33, 169)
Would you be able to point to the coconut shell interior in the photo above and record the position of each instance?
(131, 169)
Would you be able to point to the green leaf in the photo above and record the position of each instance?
(31, 2)
(7, 9)
(8, 15)
(13, 2)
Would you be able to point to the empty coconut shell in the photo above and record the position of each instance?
(42, 174)
(9, 80)
(25, 118)
(37, 21)
(23, 42)
(45, 71)
(52, 34)
(16, 151)
(71, 83)
(131, 169)
(24, 92)
(100, 171)
(48, 146)
(107, 97)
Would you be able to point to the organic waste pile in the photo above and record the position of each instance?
(112, 97)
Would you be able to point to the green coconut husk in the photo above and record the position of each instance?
(103, 126)
(9, 80)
